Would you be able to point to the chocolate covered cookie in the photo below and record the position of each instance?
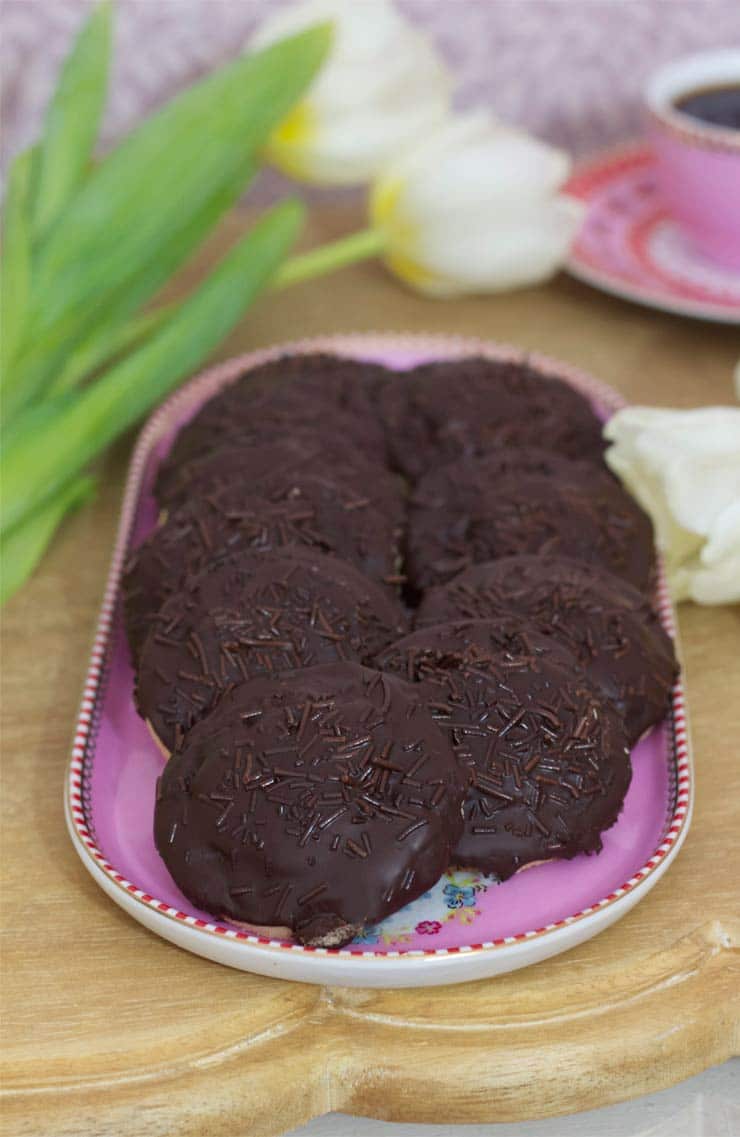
(457, 485)
(302, 509)
(534, 514)
(313, 803)
(256, 614)
(443, 411)
(331, 394)
(296, 382)
(258, 465)
(610, 626)
(547, 753)
(475, 645)
(349, 384)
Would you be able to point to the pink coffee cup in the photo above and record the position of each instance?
(698, 162)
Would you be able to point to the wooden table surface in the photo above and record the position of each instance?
(111, 1031)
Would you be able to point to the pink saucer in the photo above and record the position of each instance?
(630, 246)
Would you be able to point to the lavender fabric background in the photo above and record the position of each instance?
(569, 70)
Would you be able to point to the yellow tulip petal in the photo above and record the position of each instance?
(298, 128)
(384, 200)
(410, 271)
(290, 146)
(382, 86)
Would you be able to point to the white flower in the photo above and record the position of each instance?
(475, 208)
(382, 86)
(684, 469)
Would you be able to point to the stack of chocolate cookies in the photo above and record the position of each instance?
(389, 623)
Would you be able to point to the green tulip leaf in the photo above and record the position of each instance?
(15, 261)
(23, 547)
(39, 462)
(73, 119)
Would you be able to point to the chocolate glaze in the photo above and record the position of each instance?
(329, 393)
(301, 509)
(610, 626)
(260, 465)
(595, 523)
(548, 756)
(256, 614)
(440, 412)
(321, 800)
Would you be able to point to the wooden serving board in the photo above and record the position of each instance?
(109, 1030)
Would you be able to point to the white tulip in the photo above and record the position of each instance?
(382, 86)
(475, 208)
(684, 469)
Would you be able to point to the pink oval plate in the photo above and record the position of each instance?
(468, 926)
(629, 245)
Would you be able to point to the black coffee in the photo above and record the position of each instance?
(719, 106)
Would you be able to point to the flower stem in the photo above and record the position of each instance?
(336, 254)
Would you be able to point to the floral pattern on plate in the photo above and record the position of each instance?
(453, 898)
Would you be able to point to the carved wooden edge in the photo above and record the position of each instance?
(615, 1042)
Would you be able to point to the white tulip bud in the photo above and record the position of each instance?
(684, 469)
(382, 86)
(475, 208)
